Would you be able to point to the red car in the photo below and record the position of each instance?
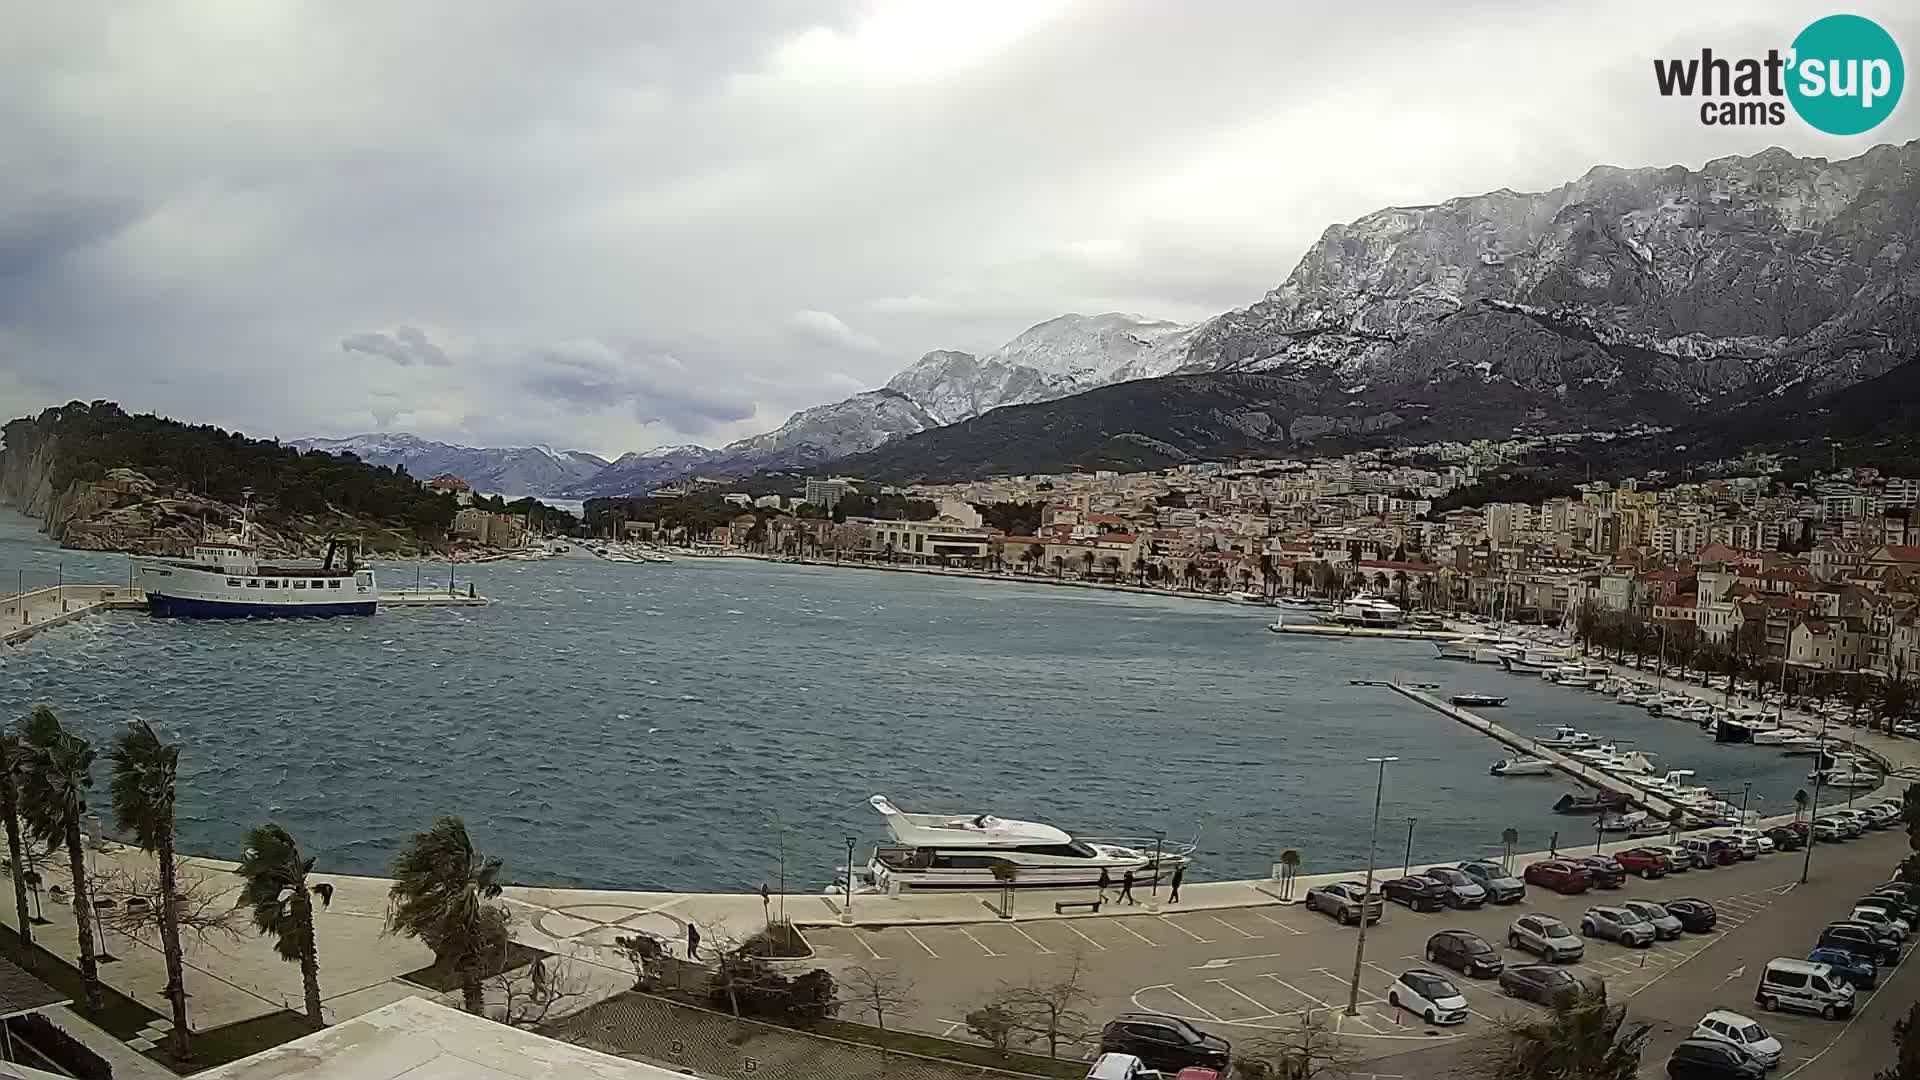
(1646, 862)
(1561, 877)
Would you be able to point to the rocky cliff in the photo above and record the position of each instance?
(1694, 288)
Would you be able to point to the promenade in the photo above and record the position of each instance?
(22, 615)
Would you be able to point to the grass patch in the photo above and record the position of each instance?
(779, 941)
(909, 1042)
(446, 979)
(235, 1041)
(119, 1015)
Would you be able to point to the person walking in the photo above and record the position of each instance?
(693, 942)
(1179, 874)
(1126, 889)
(1106, 882)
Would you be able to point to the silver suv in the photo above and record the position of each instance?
(1617, 924)
(1546, 937)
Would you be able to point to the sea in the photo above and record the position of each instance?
(719, 724)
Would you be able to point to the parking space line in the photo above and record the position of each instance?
(1278, 923)
(1367, 997)
(1121, 923)
(1084, 937)
(1270, 1014)
(922, 944)
(1208, 1013)
(977, 941)
(1036, 943)
(1169, 922)
(862, 939)
(1297, 990)
(1342, 1019)
(1232, 927)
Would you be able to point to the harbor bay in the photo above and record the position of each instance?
(701, 724)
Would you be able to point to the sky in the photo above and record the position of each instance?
(614, 225)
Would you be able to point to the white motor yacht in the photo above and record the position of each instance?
(1365, 609)
(1847, 777)
(1566, 738)
(949, 851)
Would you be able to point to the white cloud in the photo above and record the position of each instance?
(202, 202)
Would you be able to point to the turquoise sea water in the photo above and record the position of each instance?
(675, 725)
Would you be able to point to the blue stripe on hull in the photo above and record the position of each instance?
(175, 607)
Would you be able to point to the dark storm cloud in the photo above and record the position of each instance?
(406, 347)
(790, 200)
(655, 387)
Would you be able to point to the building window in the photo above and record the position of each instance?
(299, 583)
(273, 583)
(333, 584)
(253, 583)
(234, 581)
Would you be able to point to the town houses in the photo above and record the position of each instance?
(1821, 573)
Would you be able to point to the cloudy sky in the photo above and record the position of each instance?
(614, 225)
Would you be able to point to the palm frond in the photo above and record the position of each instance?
(274, 873)
(441, 891)
(142, 785)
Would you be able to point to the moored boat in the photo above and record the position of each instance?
(228, 580)
(1478, 700)
(1521, 765)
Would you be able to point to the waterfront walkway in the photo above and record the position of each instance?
(22, 615)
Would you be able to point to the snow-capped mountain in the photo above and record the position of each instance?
(1062, 356)
(512, 471)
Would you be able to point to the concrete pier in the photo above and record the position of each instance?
(398, 598)
(1573, 767)
(23, 615)
(1329, 630)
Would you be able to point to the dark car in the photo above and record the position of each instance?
(1502, 887)
(1458, 889)
(1603, 871)
(1646, 862)
(1559, 875)
(1695, 914)
(1859, 970)
(1786, 839)
(1540, 984)
(1894, 904)
(1467, 953)
(1723, 852)
(1417, 893)
(1167, 1043)
(1862, 940)
(1711, 1059)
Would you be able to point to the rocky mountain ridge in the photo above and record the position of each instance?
(511, 471)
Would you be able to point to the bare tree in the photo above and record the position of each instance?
(645, 952)
(202, 908)
(878, 992)
(995, 1023)
(1303, 1052)
(533, 996)
(1051, 1008)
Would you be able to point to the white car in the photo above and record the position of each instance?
(1758, 838)
(1430, 995)
(1882, 920)
(1757, 1041)
(1118, 1067)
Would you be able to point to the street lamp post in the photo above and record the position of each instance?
(850, 842)
(1366, 897)
(1746, 795)
(1813, 808)
(1406, 868)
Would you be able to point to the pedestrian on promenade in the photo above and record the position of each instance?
(1126, 889)
(693, 942)
(1179, 873)
(1106, 882)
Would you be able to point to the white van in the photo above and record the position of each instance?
(1805, 987)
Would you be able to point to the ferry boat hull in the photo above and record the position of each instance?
(186, 607)
(226, 580)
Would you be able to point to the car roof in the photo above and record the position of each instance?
(1112, 1066)
(1788, 963)
(1160, 1018)
(1727, 1016)
(1609, 909)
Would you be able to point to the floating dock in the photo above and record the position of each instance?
(1325, 630)
(1573, 767)
(409, 598)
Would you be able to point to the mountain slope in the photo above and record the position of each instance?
(1664, 296)
(519, 470)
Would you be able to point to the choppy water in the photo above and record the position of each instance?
(668, 726)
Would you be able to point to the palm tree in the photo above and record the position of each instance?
(442, 893)
(1035, 553)
(1087, 557)
(1059, 564)
(142, 788)
(12, 759)
(1584, 1038)
(282, 903)
(58, 770)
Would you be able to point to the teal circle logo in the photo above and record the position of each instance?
(1847, 75)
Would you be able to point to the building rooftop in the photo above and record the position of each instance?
(416, 1039)
(22, 993)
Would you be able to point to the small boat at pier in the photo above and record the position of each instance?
(1521, 765)
(1477, 700)
(1566, 738)
(1589, 805)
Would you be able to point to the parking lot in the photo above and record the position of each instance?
(1264, 968)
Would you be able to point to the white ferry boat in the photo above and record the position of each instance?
(227, 580)
(947, 851)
